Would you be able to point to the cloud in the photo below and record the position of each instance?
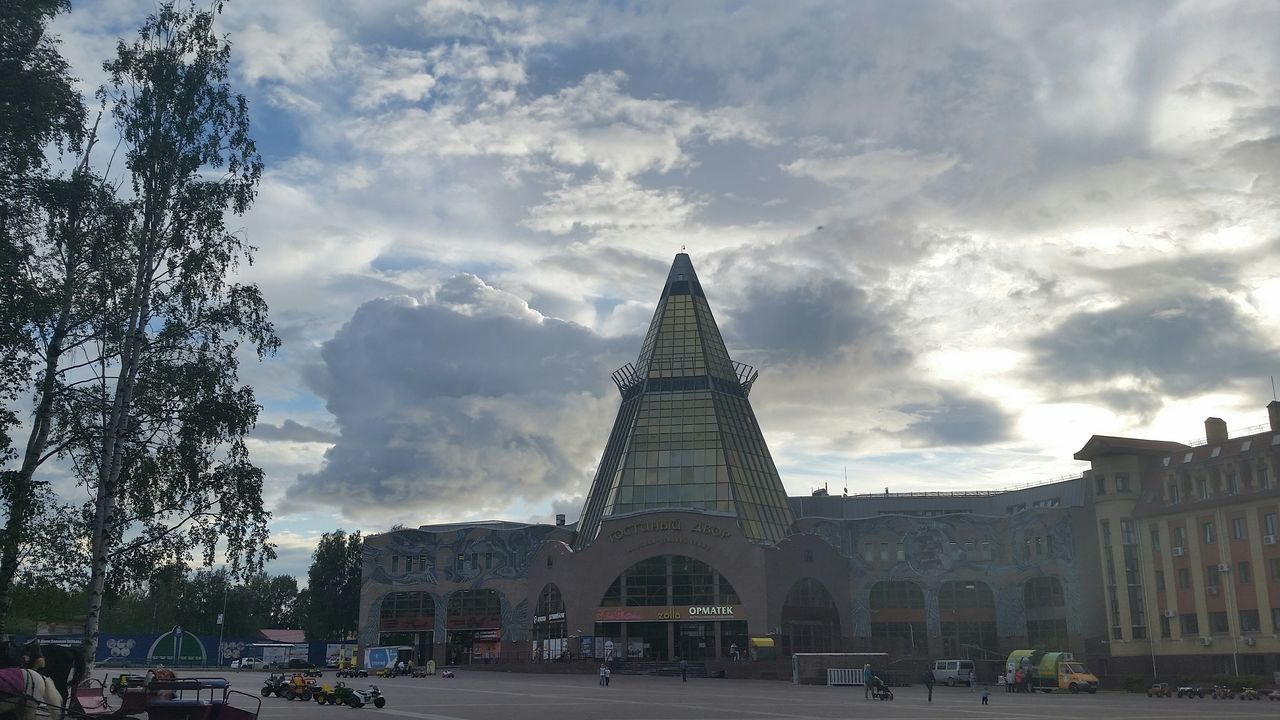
(460, 403)
(1164, 348)
(953, 418)
(291, 431)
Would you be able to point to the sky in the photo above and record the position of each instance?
(956, 238)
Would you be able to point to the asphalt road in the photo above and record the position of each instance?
(482, 695)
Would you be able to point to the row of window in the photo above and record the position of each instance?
(1038, 592)
(1189, 623)
(1208, 531)
(462, 563)
(1217, 481)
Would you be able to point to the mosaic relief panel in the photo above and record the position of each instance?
(934, 552)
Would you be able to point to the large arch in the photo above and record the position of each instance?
(967, 614)
(550, 636)
(810, 619)
(408, 618)
(668, 606)
(1046, 611)
(898, 621)
(473, 621)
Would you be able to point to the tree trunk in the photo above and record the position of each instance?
(113, 451)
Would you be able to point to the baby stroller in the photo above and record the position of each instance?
(879, 690)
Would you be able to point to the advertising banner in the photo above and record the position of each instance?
(587, 647)
(668, 613)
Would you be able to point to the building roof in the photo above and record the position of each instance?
(281, 635)
(685, 436)
(1107, 445)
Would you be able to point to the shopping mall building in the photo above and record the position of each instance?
(688, 545)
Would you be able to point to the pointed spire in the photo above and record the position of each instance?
(685, 435)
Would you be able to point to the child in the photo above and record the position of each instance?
(985, 694)
(603, 669)
(606, 675)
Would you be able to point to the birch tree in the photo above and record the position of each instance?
(159, 431)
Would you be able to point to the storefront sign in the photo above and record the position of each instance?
(672, 525)
(553, 617)
(669, 613)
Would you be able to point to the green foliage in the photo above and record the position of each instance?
(1135, 683)
(331, 602)
(1235, 683)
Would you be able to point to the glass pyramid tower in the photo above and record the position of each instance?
(685, 435)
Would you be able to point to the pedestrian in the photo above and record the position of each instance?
(684, 670)
(867, 677)
(607, 674)
(927, 679)
(603, 674)
(986, 692)
(733, 651)
(973, 680)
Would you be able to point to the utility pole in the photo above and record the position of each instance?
(222, 616)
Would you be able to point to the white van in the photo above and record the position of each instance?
(952, 672)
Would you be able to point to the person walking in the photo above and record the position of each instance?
(986, 692)
(607, 674)
(868, 678)
(927, 679)
(684, 670)
(973, 680)
(603, 670)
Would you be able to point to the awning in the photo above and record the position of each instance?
(761, 642)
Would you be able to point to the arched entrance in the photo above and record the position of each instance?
(669, 606)
(550, 640)
(967, 610)
(898, 624)
(473, 621)
(408, 618)
(1046, 609)
(810, 620)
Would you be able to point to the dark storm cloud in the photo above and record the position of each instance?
(810, 320)
(291, 431)
(463, 403)
(1175, 346)
(954, 418)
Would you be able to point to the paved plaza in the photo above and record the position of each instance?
(481, 695)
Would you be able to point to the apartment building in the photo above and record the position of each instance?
(1188, 548)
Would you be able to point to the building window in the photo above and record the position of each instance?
(1274, 565)
(868, 552)
(884, 552)
(986, 550)
(460, 563)
(1237, 528)
(1184, 578)
(1275, 617)
(1127, 534)
(1155, 538)
(1264, 478)
(488, 561)
(1100, 484)
(1159, 581)
(1180, 537)
(1212, 576)
(902, 552)
(422, 563)
(1106, 533)
(1249, 621)
(1210, 537)
(1190, 623)
(1218, 623)
(1233, 483)
(1166, 631)
(1175, 494)
(1269, 523)
(1245, 574)
(395, 563)
(1202, 488)
(1122, 482)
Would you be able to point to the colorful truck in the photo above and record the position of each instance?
(1051, 671)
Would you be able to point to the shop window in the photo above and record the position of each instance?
(1122, 482)
(896, 594)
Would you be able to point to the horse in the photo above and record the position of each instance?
(64, 666)
(28, 694)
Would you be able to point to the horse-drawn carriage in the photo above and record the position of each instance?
(194, 698)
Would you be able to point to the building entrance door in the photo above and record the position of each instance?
(695, 641)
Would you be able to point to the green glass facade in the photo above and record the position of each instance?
(685, 435)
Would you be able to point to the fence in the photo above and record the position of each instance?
(844, 676)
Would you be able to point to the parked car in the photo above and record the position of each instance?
(249, 663)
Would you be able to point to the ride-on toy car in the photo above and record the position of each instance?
(342, 694)
(274, 685)
(1159, 690)
(1190, 691)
